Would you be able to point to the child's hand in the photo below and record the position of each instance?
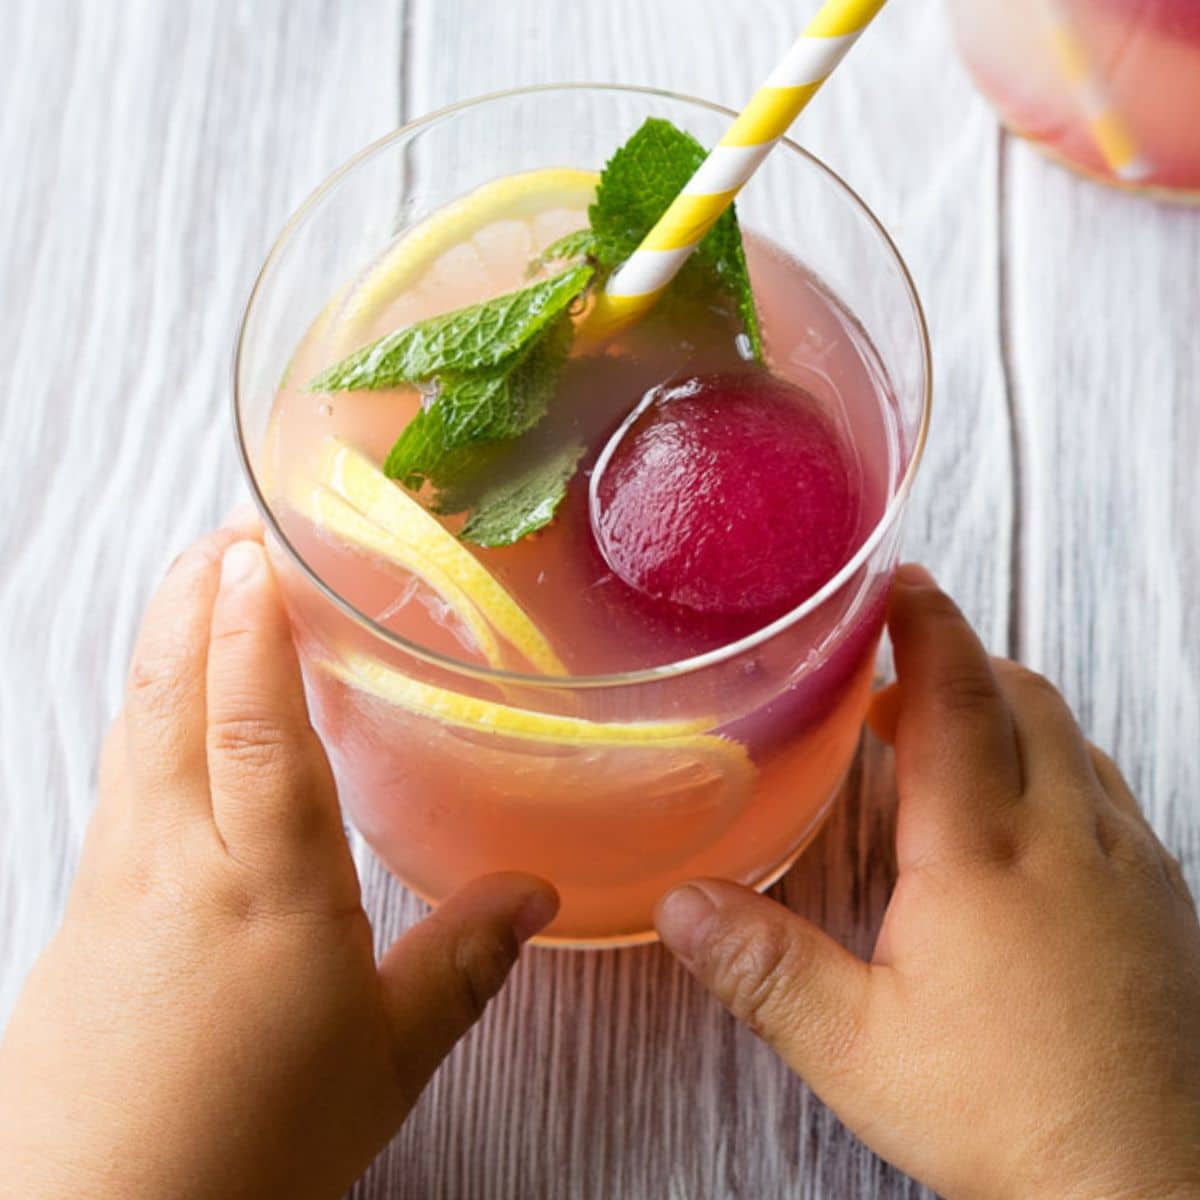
(210, 1020)
(1030, 1023)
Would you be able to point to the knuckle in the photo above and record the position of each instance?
(1000, 848)
(1033, 684)
(482, 962)
(231, 635)
(755, 971)
(965, 692)
(1102, 758)
(163, 875)
(1139, 856)
(769, 982)
(1173, 868)
(151, 678)
(254, 743)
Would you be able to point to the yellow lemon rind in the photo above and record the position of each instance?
(358, 481)
(521, 724)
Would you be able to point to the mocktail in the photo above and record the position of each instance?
(630, 645)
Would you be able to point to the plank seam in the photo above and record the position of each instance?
(1015, 634)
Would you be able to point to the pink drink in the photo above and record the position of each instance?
(442, 808)
(1142, 55)
(649, 688)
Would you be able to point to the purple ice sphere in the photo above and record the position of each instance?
(731, 495)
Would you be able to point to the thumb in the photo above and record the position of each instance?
(438, 978)
(792, 984)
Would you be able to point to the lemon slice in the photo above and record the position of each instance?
(330, 512)
(670, 787)
(522, 724)
(521, 197)
(353, 500)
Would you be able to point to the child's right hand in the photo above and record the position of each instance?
(1029, 1025)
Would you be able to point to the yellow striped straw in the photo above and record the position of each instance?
(1109, 129)
(639, 281)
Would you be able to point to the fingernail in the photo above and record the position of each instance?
(915, 575)
(239, 563)
(534, 915)
(683, 919)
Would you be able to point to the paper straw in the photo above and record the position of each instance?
(638, 283)
(1109, 129)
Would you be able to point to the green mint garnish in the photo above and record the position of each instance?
(580, 244)
(517, 502)
(637, 187)
(486, 336)
(491, 370)
(473, 408)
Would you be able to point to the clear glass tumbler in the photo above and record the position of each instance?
(614, 787)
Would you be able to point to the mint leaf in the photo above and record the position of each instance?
(580, 244)
(479, 407)
(477, 338)
(516, 503)
(636, 188)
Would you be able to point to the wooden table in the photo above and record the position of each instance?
(152, 150)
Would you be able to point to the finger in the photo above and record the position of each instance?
(111, 777)
(272, 791)
(163, 717)
(1178, 879)
(884, 714)
(440, 975)
(957, 764)
(112, 761)
(783, 977)
(1124, 801)
(1055, 763)
(1114, 783)
(244, 521)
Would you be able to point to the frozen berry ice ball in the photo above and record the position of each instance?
(731, 495)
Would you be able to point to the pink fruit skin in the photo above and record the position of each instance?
(731, 495)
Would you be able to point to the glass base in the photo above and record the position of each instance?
(1183, 197)
(649, 936)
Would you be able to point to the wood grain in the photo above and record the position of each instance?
(1102, 311)
(155, 149)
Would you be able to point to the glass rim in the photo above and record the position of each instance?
(671, 670)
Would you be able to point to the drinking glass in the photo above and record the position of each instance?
(613, 818)
(1109, 87)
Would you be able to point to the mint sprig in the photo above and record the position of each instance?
(637, 187)
(474, 408)
(515, 502)
(490, 335)
(492, 369)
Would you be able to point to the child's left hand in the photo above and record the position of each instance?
(210, 1019)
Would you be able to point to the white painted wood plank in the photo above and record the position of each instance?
(161, 148)
(610, 1075)
(1103, 312)
(152, 150)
